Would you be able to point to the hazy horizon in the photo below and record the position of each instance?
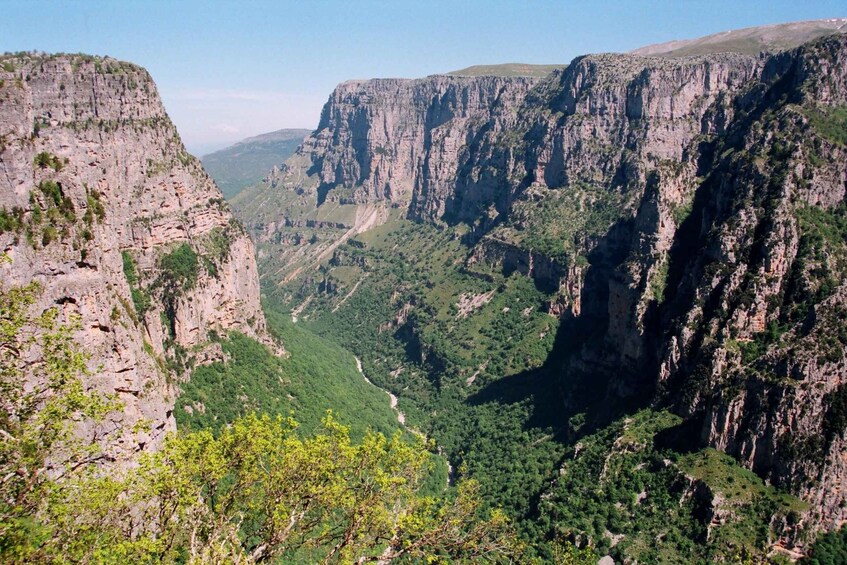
(228, 71)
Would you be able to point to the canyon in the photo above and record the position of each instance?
(611, 292)
(682, 216)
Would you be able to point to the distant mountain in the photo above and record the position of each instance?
(507, 70)
(751, 40)
(247, 161)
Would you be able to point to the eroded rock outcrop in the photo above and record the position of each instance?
(97, 190)
(402, 140)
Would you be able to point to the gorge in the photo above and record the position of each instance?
(676, 219)
(605, 302)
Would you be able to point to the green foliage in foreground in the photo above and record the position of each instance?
(256, 491)
(42, 399)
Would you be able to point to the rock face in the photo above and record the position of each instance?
(401, 140)
(104, 208)
(714, 278)
(751, 337)
(687, 214)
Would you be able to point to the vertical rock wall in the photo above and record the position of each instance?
(97, 174)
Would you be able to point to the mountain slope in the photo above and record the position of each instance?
(315, 376)
(102, 205)
(506, 70)
(246, 162)
(751, 40)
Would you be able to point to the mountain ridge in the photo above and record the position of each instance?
(246, 162)
(284, 134)
(750, 41)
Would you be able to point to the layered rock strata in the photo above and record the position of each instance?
(402, 140)
(122, 228)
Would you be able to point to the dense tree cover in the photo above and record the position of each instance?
(254, 491)
(257, 492)
(445, 367)
(314, 376)
(488, 388)
(829, 549)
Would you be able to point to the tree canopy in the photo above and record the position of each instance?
(256, 491)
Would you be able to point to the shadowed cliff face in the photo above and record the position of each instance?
(750, 341)
(401, 140)
(122, 228)
(687, 215)
(716, 276)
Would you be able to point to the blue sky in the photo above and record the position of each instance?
(227, 70)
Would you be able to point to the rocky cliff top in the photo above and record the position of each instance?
(507, 70)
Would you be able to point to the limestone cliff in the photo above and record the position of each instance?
(709, 264)
(102, 205)
(401, 140)
(381, 144)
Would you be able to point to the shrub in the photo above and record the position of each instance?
(50, 235)
(129, 268)
(140, 297)
(45, 160)
(829, 549)
(94, 209)
(11, 221)
(179, 269)
(830, 123)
